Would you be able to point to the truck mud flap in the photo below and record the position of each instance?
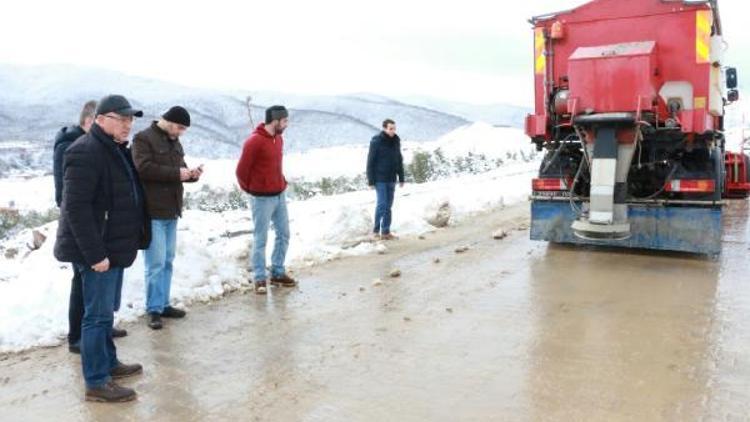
(693, 229)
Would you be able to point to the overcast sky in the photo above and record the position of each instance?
(469, 50)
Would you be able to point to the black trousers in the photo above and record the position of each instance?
(75, 308)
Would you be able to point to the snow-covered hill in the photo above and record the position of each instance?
(36, 101)
(496, 114)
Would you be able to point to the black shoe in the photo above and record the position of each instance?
(117, 332)
(123, 371)
(260, 287)
(170, 312)
(154, 321)
(75, 348)
(283, 280)
(110, 393)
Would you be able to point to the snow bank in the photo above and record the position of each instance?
(213, 248)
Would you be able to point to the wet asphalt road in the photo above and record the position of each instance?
(508, 330)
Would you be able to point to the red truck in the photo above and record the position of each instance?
(630, 99)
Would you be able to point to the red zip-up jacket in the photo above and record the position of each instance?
(259, 171)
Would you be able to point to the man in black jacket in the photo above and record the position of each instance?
(102, 226)
(64, 138)
(385, 165)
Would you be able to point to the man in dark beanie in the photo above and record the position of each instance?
(102, 225)
(259, 173)
(160, 161)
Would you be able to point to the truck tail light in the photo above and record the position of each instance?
(691, 186)
(550, 184)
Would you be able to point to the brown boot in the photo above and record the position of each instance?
(283, 281)
(110, 393)
(123, 371)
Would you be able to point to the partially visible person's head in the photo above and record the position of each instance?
(277, 119)
(87, 115)
(175, 122)
(389, 127)
(115, 116)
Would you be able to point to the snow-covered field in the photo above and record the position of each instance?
(27, 193)
(213, 248)
(738, 123)
(478, 138)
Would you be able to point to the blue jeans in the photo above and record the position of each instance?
(385, 194)
(158, 260)
(101, 298)
(266, 210)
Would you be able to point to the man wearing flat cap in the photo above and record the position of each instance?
(102, 225)
(160, 161)
(259, 173)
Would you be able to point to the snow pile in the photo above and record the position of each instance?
(213, 248)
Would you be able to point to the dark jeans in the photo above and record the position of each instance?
(75, 308)
(385, 193)
(101, 298)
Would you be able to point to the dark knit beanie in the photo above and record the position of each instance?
(276, 112)
(177, 115)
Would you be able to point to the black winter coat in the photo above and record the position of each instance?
(103, 210)
(64, 138)
(384, 161)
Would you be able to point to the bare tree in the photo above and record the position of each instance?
(249, 105)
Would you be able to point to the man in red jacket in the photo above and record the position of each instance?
(260, 174)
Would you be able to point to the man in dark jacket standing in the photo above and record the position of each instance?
(102, 226)
(64, 138)
(385, 165)
(259, 173)
(159, 159)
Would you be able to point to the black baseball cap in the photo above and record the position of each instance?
(117, 104)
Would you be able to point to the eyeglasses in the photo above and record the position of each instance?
(121, 119)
